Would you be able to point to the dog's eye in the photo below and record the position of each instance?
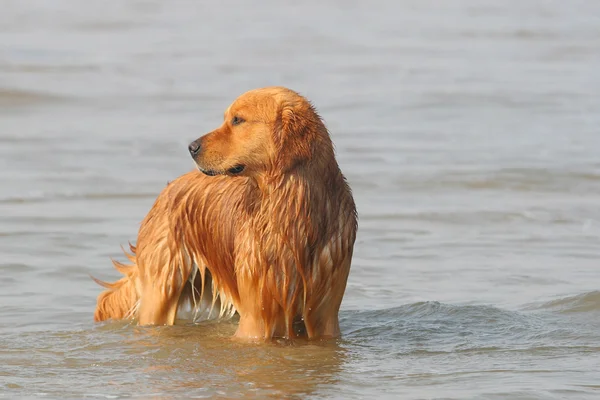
(236, 120)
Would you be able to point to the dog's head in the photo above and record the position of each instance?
(265, 130)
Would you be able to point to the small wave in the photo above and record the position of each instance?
(513, 179)
(435, 327)
(17, 97)
(42, 197)
(435, 318)
(462, 217)
(581, 303)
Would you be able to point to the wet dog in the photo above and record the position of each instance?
(265, 228)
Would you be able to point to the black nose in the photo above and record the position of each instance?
(194, 148)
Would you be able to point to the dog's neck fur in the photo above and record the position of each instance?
(308, 205)
(298, 224)
(319, 179)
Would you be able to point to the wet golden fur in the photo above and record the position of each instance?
(266, 231)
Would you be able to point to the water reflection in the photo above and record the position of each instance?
(206, 360)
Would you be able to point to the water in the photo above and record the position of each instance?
(468, 132)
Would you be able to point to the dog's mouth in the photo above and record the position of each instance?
(208, 172)
(233, 171)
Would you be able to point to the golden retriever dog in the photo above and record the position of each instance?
(265, 228)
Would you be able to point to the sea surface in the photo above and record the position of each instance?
(468, 130)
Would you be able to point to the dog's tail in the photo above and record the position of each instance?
(121, 299)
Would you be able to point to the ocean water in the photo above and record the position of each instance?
(469, 132)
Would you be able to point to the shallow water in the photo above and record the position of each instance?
(468, 132)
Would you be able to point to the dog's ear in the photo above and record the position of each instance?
(295, 132)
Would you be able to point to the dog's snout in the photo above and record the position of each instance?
(194, 148)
